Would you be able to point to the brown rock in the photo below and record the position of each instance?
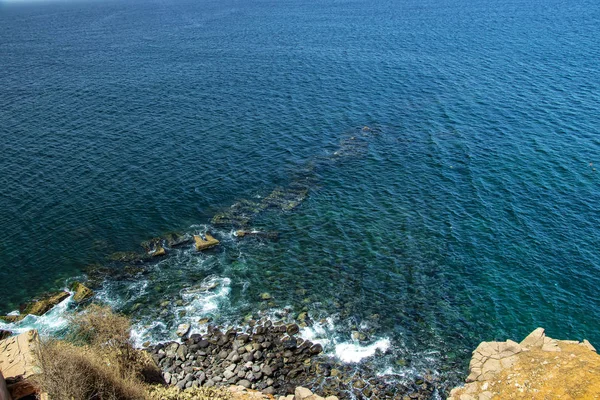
(12, 318)
(159, 251)
(203, 244)
(18, 363)
(302, 393)
(538, 368)
(44, 304)
(534, 339)
(82, 292)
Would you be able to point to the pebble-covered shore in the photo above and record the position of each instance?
(273, 359)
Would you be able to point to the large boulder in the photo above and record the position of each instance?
(81, 292)
(206, 243)
(4, 334)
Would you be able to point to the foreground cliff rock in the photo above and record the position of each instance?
(537, 368)
(18, 363)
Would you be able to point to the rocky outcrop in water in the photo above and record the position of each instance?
(205, 243)
(37, 307)
(81, 292)
(537, 368)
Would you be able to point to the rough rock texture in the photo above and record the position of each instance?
(38, 307)
(44, 304)
(203, 244)
(81, 292)
(537, 368)
(17, 363)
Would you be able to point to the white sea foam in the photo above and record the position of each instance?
(319, 332)
(50, 323)
(205, 300)
(350, 352)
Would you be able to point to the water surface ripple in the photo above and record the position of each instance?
(471, 213)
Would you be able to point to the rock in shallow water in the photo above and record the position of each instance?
(208, 242)
(44, 304)
(183, 330)
(82, 292)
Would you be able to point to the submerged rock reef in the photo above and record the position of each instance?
(537, 368)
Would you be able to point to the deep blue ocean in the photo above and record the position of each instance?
(450, 152)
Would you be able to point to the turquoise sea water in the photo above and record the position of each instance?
(469, 211)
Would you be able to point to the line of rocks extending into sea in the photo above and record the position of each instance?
(272, 359)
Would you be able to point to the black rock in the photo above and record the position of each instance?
(316, 349)
(292, 329)
(289, 342)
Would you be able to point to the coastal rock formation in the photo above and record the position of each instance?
(206, 243)
(37, 307)
(81, 292)
(536, 368)
(17, 363)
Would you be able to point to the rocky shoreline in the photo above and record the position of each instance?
(272, 358)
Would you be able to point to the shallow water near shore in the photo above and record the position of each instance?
(468, 210)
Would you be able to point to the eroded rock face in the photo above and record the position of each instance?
(18, 363)
(536, 368)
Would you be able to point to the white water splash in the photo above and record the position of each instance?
(349, 352)
(48, 324)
